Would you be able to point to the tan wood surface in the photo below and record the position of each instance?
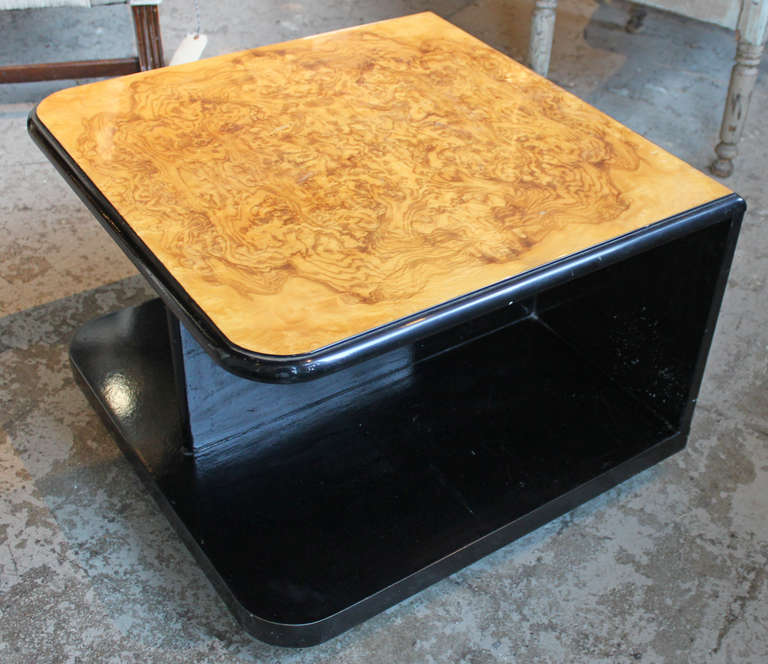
(304, 192)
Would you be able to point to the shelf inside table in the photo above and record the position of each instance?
(343, 495)
(306, 522)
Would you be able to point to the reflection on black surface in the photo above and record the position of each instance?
(305, 522)
(480, 437)
(311, 516)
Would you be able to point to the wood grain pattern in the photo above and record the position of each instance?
(308, 191)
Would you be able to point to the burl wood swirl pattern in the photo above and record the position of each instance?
(308, 191)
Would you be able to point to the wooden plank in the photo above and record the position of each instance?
(305, 192)
(51, 71)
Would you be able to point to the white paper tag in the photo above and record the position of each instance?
(190, 49)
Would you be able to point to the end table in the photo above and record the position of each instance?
(413, 302)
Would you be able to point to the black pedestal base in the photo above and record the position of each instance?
(314, 528)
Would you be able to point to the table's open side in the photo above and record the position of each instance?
(330, 504)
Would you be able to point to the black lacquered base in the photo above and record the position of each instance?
(312, 528)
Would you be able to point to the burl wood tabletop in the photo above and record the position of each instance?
(305, 192)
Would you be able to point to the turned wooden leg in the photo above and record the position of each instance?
(636, 18)
(743, 77)
(148, 39)
(753, 24)
(542, 32)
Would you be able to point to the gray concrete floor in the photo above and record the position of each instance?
(668, 567)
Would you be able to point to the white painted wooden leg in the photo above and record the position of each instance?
(753, 25)
(743, 79)
(542, 32)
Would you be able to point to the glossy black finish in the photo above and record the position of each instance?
(294, 368)
(650, 318)
(220, 407)
(478, 435)
(312, 529)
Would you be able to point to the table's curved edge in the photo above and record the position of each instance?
(295, 368)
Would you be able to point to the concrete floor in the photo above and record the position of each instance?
(668, 567)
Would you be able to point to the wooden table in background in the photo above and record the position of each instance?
(749, 18)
